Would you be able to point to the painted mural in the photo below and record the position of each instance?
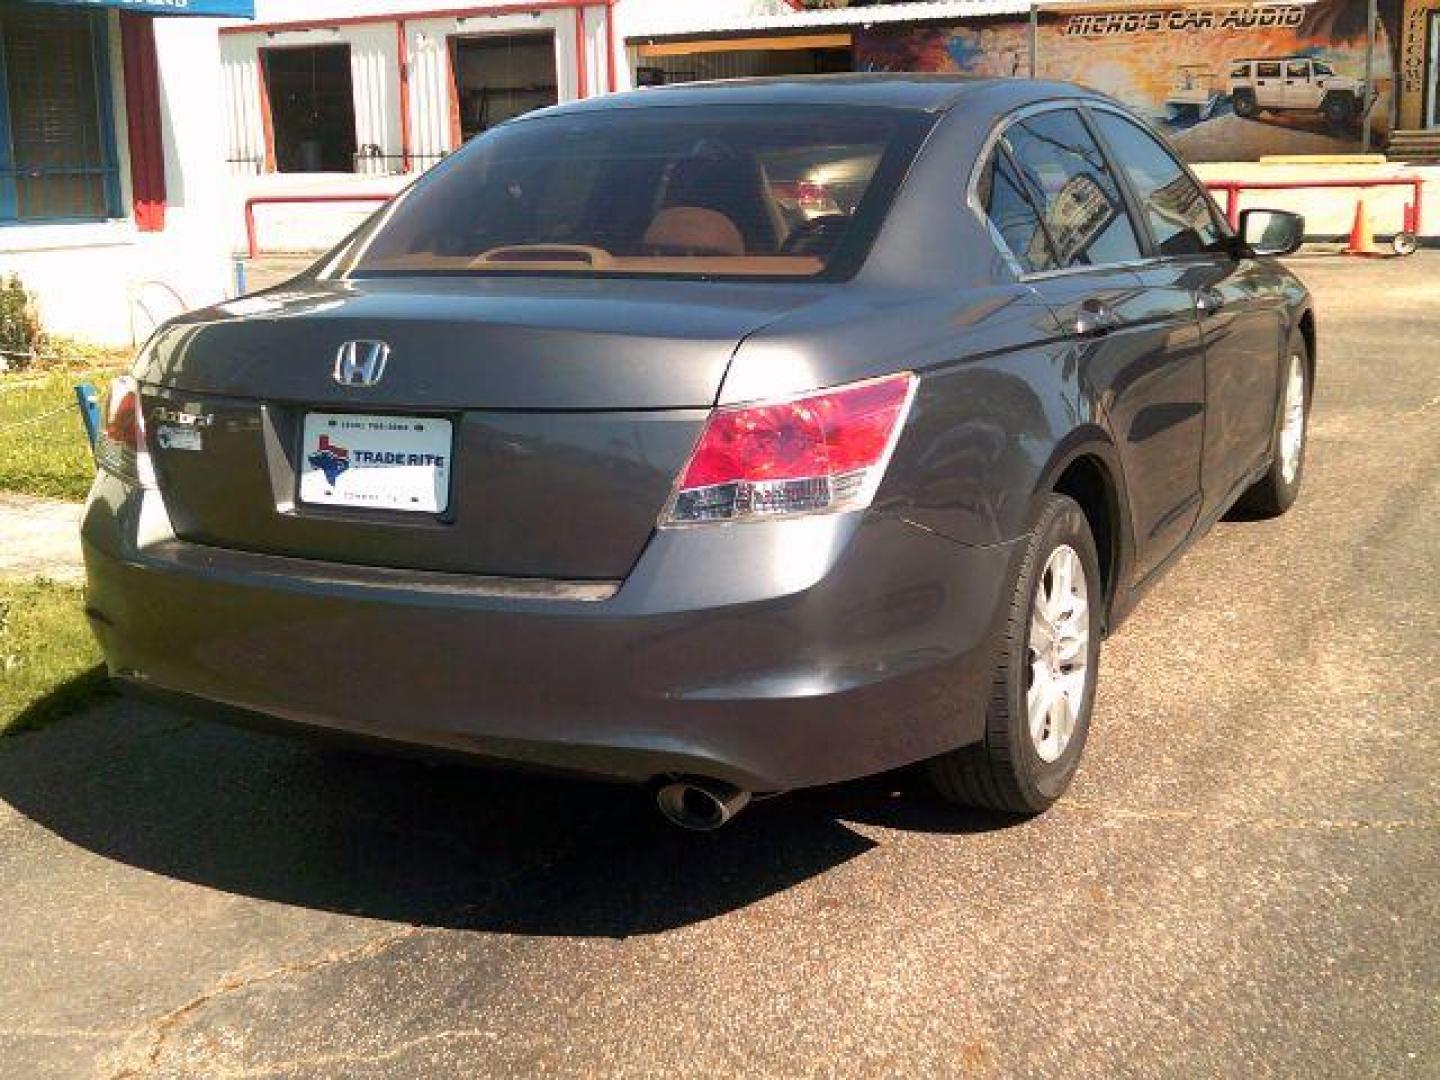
(1229, 82)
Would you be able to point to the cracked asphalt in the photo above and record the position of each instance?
(1243, 881)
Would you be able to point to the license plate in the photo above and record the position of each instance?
(376, 462)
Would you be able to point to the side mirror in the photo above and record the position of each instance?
(1271, 232)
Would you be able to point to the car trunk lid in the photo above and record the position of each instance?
(568, 407)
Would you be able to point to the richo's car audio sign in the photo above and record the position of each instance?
(1226, 81)
(1185, 20)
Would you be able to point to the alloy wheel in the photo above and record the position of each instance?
(1292, 423)
(1059, 653)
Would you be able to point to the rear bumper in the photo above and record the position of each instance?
(772, 656)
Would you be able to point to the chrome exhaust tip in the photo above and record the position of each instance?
(700, 805)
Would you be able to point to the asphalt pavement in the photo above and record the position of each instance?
(1243, 881)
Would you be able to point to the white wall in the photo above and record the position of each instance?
(640, 18)
(106, 281)
(244, 131)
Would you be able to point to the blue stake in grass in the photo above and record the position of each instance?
(88, 399)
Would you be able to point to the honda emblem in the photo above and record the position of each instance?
(361, 363)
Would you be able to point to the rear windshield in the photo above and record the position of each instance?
(677, 190)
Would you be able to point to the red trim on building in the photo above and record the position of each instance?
(581, 63)
(267, 117)
(610, 86)
(534, 7)
(142, 120)
(452, 87)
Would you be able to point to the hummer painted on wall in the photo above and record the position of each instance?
(1295, 84)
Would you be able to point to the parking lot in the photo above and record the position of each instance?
(1242, 881)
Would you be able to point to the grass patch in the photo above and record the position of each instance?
(42, 440)
(49, 663)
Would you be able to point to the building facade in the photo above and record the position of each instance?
(388, 87)
(110, 183)
(1231, 81)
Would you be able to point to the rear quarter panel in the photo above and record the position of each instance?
(1001, 400)
(1000, 396)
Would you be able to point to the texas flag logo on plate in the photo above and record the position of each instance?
(376, 462)
(331, 459)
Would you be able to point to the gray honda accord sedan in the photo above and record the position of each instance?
(729, 438)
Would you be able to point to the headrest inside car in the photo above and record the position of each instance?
(693, 230)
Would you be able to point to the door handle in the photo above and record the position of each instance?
(1208, 302)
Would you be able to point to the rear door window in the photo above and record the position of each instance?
(1269, 70)
(1079, 200)
(1176, 210)
(1014, 214)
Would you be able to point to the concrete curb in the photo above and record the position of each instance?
(39, 538)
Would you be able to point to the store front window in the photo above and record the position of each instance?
(57, 143)
(311, 93)
(501, 76)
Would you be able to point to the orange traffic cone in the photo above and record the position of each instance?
(1362, 240)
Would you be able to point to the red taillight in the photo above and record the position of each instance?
(123, 425)
(120, 449)
(819, 453)
(808, 196)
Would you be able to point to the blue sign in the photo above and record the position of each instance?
(234, 9)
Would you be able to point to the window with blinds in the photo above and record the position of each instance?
(57, 145)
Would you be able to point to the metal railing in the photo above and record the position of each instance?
(1412, 218)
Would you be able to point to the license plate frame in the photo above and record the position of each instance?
(375, 461)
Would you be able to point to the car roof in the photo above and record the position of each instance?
(920, 92)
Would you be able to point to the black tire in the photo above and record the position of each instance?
(1339, 109)
(1005, 771)
(1245, 105)
(1275, 493)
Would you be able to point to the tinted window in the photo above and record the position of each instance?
(1175, 208)
(716, 191)
(1297, 69)
(1240, 71)
(1079, 201)
(1268, 71)
(1013, 212)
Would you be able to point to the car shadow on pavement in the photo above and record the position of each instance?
(449, 845)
